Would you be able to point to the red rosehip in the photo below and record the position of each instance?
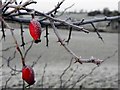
(28, 75)
(35, 30)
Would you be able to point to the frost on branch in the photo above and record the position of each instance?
(11, 15)
(17, 13)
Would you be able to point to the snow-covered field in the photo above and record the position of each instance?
(56, 59)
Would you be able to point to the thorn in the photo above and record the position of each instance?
(98, 62)
(52, 15)
(22, 44)
(101, 39)
(82, 20)
(77, 60)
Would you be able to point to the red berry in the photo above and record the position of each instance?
(28, 75)
(35, 30)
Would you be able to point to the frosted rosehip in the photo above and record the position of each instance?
(28, 75)
(35, 30)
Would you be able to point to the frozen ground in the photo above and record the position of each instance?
(57, 59)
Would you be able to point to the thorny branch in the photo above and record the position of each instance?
(22, 36)
(52, 20)
(15, 41)
(70, 34)
(3, 31)
(96, 30)
(17, 11)
(77, 59)
(58, 22)
(82, 77)
(47, 39)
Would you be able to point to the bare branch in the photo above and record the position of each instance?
(71, 76)
(8, 63)
(17, 46)
(22, 37)
(3, 31)
(61, 76)
(96, 30)
(35, 62)
(69, 37)
(47, 40)
(8, 48)
(78, 59)
(54, 10)
(82, 77)
(66, 10)
(42, 81)
(63, 22)
(26, 52)
(96, 20)
(7, 81)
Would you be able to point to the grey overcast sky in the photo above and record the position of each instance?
(46, 5)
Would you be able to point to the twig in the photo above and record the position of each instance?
(69, 37)
(96, 30)
(63, 73)
(3, 31)
(26, 52)
(22, 37)
(35, 62)
(7, 82)
(42, 81)
(47, 40)
(66, 10)
(8, 48)
(54, 10)
(71, 76)
(8, 63)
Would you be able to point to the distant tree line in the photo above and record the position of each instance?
(105, 12)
